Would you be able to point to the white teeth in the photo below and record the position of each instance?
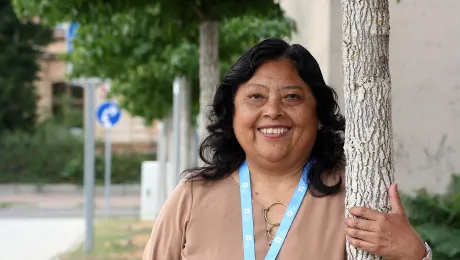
(274, 130)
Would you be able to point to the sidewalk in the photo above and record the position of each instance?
(40, 227)
(65, 201)
(38, 239)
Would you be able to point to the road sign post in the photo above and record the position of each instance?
(88, 178)
(108, 170)
(108, 115)
(89, 85)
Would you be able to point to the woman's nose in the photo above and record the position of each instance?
(273, 108)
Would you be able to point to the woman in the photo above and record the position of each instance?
(272, 187)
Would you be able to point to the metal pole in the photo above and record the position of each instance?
(108, 170)
(161, 158)
(89, 167)
(176, 129)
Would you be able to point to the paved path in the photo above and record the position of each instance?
(38, 239)
(66, 201)
(27, 213)
(40, 227)
(44, 206)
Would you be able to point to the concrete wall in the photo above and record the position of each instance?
(425, 66)
(425, 69)
(313, 22)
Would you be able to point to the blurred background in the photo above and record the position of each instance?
(124, 76)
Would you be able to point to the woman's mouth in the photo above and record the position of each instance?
(273, 132)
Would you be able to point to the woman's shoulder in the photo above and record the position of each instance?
(190, 194)
(196, 189)
(199, 186)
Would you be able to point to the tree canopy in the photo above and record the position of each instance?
(142, 60)
(188, 12)
(142, 51)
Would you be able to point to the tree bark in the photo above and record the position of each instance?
(367, 91)
(209, 70)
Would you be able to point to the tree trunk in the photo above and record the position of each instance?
(209, 70)
(367, 91)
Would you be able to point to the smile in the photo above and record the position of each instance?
(274, 132)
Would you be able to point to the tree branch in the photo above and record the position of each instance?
(199, 12)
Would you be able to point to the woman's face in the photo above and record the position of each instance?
(275, 115)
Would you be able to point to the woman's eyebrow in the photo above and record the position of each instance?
(292, 87)
(256, 85)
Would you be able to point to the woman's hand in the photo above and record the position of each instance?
(387, 235)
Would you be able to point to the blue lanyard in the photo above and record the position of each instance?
(247, 219)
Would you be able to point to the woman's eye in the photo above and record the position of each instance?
(293, 96)
(255, 96)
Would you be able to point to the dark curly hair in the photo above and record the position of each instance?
(221, 152)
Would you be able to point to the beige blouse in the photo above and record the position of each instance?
(203, 222)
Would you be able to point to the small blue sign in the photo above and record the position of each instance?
(71, 33)
(108, 114)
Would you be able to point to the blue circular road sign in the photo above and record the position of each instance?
(108, 114)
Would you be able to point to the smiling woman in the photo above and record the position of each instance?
(272, 185)
(274, 77)
(275, 118)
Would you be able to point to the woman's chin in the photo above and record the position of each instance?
(273, 157)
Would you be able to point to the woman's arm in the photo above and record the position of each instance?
(168, 235)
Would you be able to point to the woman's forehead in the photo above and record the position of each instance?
(276, 72)
(250, 85)
(282, 82)
(276, 68)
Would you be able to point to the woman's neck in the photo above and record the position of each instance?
(278, 180)
(274, 176)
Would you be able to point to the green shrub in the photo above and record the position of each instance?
(126, 168)
(437, 219)
(38, 157)
(52, 154)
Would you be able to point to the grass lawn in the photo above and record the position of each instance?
(115, 239)
(5, 205)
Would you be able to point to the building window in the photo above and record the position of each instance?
(67, 104)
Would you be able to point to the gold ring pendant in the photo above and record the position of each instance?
(269, 231)
(268, 220)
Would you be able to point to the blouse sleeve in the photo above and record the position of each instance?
(168, 235)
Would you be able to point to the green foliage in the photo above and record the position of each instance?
(37, 157)
(20, 42)
(437, 219)
(142, 45)
(52, 154)
(142, 58)
(186, 12)
(126, 168)
(139, 58)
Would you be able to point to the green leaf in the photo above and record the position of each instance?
(437, 219)
(142, 45)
